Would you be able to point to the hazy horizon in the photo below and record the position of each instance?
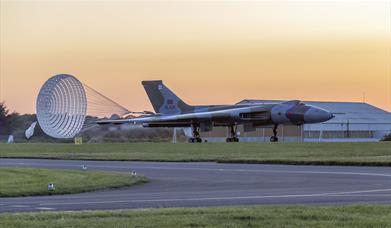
(207, 52)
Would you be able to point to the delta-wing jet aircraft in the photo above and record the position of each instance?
(171, 111)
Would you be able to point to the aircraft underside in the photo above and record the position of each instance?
(205, 127)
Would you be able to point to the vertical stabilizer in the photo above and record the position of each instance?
(163, 100)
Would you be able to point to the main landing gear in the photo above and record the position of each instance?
(196, 135)
(233, 134)
(274, 138)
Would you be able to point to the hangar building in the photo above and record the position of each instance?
(354, 122)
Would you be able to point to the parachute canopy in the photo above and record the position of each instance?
(62, 106)
(65, 106)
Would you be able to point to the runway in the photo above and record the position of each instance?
(174, 184)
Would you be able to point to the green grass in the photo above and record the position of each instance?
(29, 181)
(259, 216)
(375, 153)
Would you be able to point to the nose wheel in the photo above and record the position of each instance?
(274, 138)
(233, 134)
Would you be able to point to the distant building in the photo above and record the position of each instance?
(354, 122)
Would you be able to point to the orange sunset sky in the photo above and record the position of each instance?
(216, 52)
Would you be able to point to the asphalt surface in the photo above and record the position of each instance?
(175, 184)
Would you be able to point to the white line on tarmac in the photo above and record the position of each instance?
(367, 195)
(45, 208)
(19, 206)
(222, 198)
(217, 169)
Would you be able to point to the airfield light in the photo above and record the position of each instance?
(51, 187)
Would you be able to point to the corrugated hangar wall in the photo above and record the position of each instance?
(354, 122)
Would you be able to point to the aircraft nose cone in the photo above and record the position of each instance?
(317, 115)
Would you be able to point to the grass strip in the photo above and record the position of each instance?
(258, 216)
(361, 153)
(32, 182)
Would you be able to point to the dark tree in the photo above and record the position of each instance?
(387, 137)
(3, 118)
(8, 122)
(14, 123)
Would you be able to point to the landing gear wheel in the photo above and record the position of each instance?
(274, 139)
(195, 140)
(196, 135)
(234, 139)
(233, 134)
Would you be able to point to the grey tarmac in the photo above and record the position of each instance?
(204, 184)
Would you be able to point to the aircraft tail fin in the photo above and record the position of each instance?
(163, 100)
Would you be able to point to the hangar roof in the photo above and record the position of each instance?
(352, 112)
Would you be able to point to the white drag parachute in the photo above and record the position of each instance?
(62, 106)
(65, 106)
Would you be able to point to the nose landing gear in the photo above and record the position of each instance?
(274, 138)
(233, 134)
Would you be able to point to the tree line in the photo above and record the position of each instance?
(13, 123)
(8, 121)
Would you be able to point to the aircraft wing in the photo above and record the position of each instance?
(184, 118)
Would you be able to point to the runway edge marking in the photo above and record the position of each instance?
(224, 198)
